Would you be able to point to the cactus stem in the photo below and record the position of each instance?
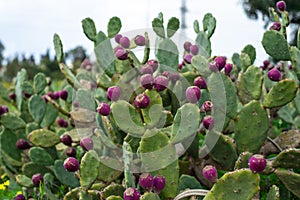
(57, 107)
(147, 49)
(134, 61)
(194, 192)
(274, 143)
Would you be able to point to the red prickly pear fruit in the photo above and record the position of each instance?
(142, 101)
(103, 109)
(22, 144)
(121, 54)
(194, 49)
(147, 69)
(228, 68)
(187, 46)
(208, 122)
(131, 194)
(210, 173)
(188, 58)
(153, 63)
(66, 139)
(63, 94)
(12, 96)
(274, 74)
(220, 62)
(86, 144)
(37, 179)
(206, 106)
(193, 94)
(125, 42)
(20, 197)
(281, 6)
(117, 38)
(71, 152)
(257, 163)
(71, 164)
(161, 83)
(276, 26)
(140, 40)
(113, 93)
(159, 183)
(146, 181)
(213, 66)
(200, 82)
(147, 81)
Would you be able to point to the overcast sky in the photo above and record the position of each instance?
(27, 26)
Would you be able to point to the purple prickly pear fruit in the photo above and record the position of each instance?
(142, 101)
(66, 139)
(194, 49)
(103, 109)
(187, 46)
(147, 81)
(26, 95)
(188, 58)
(206, 106)
(281, 6)
(276, 26)
(20, 197)
(232, 77)
(113, 93)
(22, 144)
(117, 38)
(12, 96)
(161, 83)
(192, 94)
(87, 64)
(125, 42)
(71, 152)
(220, 62)
(61, 122)
(63, 94)
(121, 54)
(274, 74)
(86, 143)
(208, 122)
(146, 181)
(210, 173)
(200, 82)
(147, 69)
(140, 40)
(257, 163)
(71, 164)
(174, 76)
(180, 65)
(159, 183)
(4, 109)
(166, 74)
(228, 68)
(45, 98)
(76, 104)
(37, 179)
(213, 66)
(55, 95)
(118, 48)
(50, 94)
(131, 194)
(290, 67)
(266, 63)
(153, 63)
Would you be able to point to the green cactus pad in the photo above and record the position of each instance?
(114, 26)
(173, 26)
(112, 189)
(203, 42)
(188, 182)
(250, 84)
(9, 150)
(209, 24)
(88, 169)
(251, 127)
(106, 173)
(39, 82)
(72, 194)
(31, 168)
(295, 59)
(37, 108)
(240, 184)
(50, 115)
(158, 156)
(65, 177)
(152, 113)
(69, 75)
(250, 50)
(285, 113)
(273, 193)
(12, 121)
(290, 179)
(196, 26)
(43, 138)
(276, 45)
(58, 46)
(158, 27)
(113, 197)
(242, 161)
(21, 77)
(216, 143)
(24, 180)
(149, 196)
(89, 28)
(289, 159)
(231, 96)
(245, 60)
(281, 93)
(183, 127)
(85, 99)
(31, 127)
(127, 118)
(200, 63)
(40, 156)
(167, 55)
(237, 61)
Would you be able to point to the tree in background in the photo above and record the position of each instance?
(259, 8)
(1, 53)
(76, 56)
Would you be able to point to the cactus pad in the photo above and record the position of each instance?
(289, 158)
(43, 138)
(40, 156)
(65, 177)
(290, 179)
(273, 193)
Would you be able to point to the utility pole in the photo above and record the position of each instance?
(183, 10)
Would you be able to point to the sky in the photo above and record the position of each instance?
(27, 26)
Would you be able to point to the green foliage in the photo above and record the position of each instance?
(89, 28)
(114, 27)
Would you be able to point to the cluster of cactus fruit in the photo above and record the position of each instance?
(121, 128)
